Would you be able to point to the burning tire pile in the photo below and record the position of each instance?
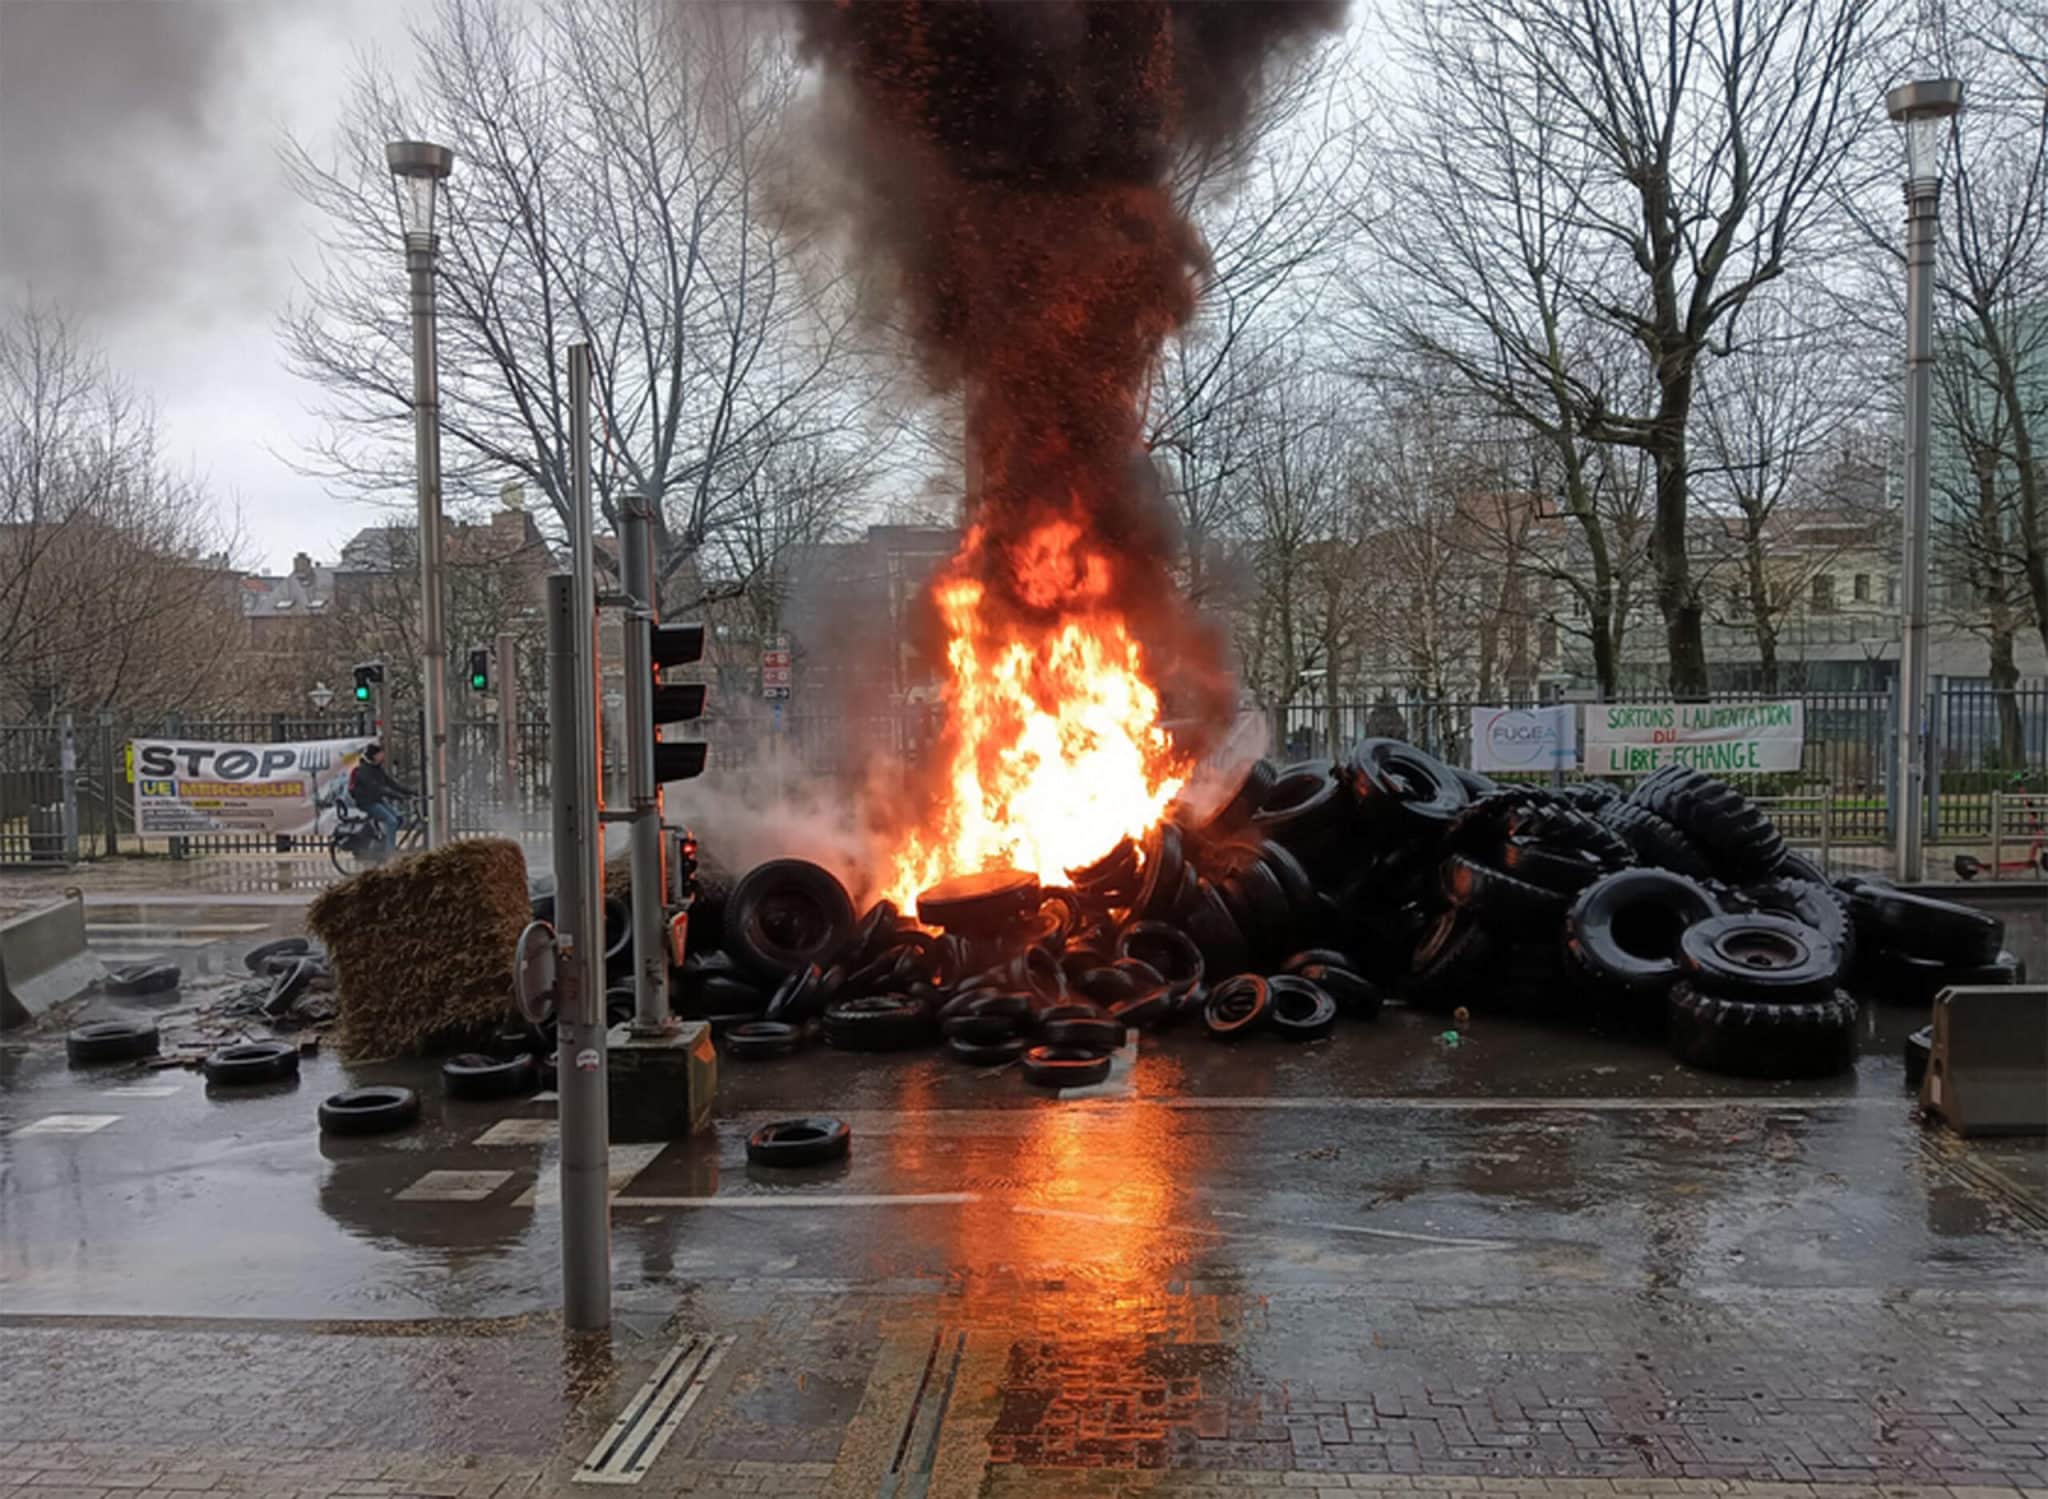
(1295, 898)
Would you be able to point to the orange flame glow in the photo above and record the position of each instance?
(1054, 747)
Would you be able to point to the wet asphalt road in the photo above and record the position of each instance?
(1383, 1150)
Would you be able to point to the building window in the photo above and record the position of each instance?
(1863, 588)
(1891, 589)
(1823, 592)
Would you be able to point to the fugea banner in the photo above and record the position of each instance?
(1525, 738)
(1629, 739)
(185, 786)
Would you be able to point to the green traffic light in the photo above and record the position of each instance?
(476, 680)
(362, 692)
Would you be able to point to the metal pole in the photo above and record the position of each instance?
(584, 1106)
(507, 668)
(67, 769)
(1923, 198)
(420, 250)
(636, 576)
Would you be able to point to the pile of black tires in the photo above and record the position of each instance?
(1290, 898)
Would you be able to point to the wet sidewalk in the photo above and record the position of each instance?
(1537, 1262)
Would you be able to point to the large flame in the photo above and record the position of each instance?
(1053, 741)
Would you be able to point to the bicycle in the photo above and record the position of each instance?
(357, 842)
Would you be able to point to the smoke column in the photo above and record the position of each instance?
(1010, 162)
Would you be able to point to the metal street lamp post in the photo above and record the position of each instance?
(1924, 109)
(417, 168)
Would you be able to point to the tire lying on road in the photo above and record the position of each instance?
(369, 1111)
(1656, 842)
(1761, 957)
(1919, 1047)
(1820, 906)
(799, 1142)
(1065, 1066)
(142, 978)
(882, 1023)
(785, 914)
(258, 957)
(1924, 926)
(1623, 930)
(1301, 1010)
(1238, 1006)
(1501, 899)
(474, 1075)
(111, 1041)
(251, 1062)
(1738, 837)
(1760, 1037)
(758, 1040)
(1394, 783)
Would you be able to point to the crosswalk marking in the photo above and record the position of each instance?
(455, 1186)
(518, 1132)
(68, 1124)
(627, 1162)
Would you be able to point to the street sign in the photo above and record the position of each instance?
(777, 676)
(775, 693)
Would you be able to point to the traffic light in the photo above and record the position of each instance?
(479, 670)
(676, 645)
(368, 674)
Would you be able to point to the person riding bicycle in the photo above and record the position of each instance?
(372, 789)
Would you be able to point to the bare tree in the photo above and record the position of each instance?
(1292, 515)
(1992, 270)
(1273, 207)
(117, 584)
(617, 164)
(1770, 411)
(1590, 171)
(1979, 542)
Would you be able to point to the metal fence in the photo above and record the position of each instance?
(1988, 757)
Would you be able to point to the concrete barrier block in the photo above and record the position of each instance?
(660, 1088)
(43, 961)
(1987, 1073)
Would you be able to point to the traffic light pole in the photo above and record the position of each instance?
(650, 954)
(580, 1063)
(508, 716)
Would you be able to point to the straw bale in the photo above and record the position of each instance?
(421, 948)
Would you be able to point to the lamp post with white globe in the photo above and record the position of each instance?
(417, 169)
(1925, 110)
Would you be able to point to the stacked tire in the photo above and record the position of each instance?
(1287, 899)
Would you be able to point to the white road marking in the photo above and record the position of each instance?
(625, 1453)
(1441, 1104)
(143, 1090)
(518, 1132)
(68, 1124)
(455, 1186)
(626, 1162)
(1435, 1241)
(148, 928)
(822, 1200)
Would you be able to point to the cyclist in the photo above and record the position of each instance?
(374, 792)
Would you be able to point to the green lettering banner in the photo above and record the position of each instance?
(1627, 739)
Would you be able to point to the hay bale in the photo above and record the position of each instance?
(421, 949)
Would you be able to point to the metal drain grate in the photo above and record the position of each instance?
(625, 1453)
(917, 1449)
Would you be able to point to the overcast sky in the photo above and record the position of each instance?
(140, 191)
